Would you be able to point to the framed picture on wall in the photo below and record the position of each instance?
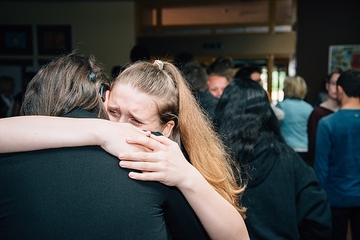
(344, 57)
(53, 39)
(16, 40)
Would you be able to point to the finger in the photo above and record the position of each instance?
(146, 142)
(161, 139)
(137, 156)
(146, 176)
(140, 166)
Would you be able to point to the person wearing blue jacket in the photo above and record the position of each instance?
(337, 157)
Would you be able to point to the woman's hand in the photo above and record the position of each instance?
(165, 162)
(111, 136)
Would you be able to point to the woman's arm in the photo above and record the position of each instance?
(167, 165)
(27, 133)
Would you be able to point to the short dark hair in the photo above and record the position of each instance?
(246, 71)
(350, 82)
(221, 66)
(196, 76)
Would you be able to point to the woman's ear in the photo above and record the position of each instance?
(168, 128)
(107, 96)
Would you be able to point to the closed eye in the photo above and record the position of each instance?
(135, 122)
(113, 112)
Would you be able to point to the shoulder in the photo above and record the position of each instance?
(307, 105)
(80, 113)
(318, 113)
(329, 119)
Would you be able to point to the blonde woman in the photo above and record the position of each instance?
(294, 125)
(155, 97)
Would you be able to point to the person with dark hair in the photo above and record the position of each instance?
(80, 192)
(222, 64)
(283, 197)
(337, 157)
(196, 76)
(220, 74)
(327, 107)
(252, 72)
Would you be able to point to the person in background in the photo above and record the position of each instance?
(196, 76)
(163, 104)
(327, 107)
(254, 73)
(220, 74)
(294, 125)
(283, 197)
(322, 95)
(80, 193)
(337, 157)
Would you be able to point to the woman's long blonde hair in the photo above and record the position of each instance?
(163, 82)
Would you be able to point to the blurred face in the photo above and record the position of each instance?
(128, 105)
(339, 94)
(331, 86)
(216, 85)
(256, 77)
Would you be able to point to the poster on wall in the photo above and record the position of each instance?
(54, 39)
(16, 40)
(344, 57)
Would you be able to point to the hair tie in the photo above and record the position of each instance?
(92, 76)
(159, 63)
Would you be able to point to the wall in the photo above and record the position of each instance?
(105, 29)
(321, 24)
(230, 45)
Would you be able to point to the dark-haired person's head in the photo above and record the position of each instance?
(349, 81)
(252, 72)
(244, 113)
(68, 82)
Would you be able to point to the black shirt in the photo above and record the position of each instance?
(82, 193)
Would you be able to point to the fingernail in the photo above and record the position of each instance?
(121, 155)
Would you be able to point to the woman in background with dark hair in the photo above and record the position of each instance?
(283, 197)
(327, 107)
